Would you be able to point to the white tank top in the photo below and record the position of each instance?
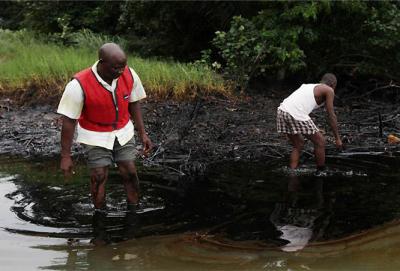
(301, 102)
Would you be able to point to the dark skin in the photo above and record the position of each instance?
(112, 62)
(322, 93)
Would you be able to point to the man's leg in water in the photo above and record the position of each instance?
(127, 169)
(298, 143)
(130, 179)
(98, 178)
(319, 149)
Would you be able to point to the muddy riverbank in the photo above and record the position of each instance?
(191, 135)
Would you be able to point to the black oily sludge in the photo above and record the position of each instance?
(235, 201)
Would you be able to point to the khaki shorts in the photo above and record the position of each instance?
(102, 157)
(286, 124)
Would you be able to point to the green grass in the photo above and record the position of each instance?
(27, 62)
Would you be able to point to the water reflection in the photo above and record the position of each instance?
(235, 201)
(240, 217)
(301, 221)
(372, 250)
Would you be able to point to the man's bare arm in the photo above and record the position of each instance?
(136, 113)
(332, 119)
(67, 135)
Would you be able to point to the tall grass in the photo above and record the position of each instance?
(28, 62)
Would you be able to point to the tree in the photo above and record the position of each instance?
(310, 38)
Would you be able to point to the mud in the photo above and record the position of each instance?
(191, 135)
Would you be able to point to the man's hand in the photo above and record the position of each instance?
(147, 144)
(339, 144)
(67, 166)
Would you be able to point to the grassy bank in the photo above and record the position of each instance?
(40, 68)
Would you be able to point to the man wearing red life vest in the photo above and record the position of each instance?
(100, 102)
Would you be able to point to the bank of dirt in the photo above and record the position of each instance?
(190, 135)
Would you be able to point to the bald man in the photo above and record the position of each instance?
(293, 118)
(100, 102)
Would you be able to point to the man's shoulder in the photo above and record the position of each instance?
(73, 85)
(132, 71)
(83, 73)
(323, 89)
(135, 76)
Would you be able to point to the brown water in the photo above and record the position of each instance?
(254, 216)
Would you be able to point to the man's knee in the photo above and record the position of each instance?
(320, 142)
(129, 176)
(127, 171)
(298, 144)
(98, 176)
(301, 143)
(297, 141)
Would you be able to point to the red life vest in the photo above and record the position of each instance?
(100, 113)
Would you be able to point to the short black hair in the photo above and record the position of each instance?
(329, 79)
(107, 49)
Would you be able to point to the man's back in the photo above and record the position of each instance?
(301, 102)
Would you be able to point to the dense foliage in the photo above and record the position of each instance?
(177, 29)
(244, 40)
(354, 38)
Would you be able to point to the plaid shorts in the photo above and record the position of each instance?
(286, 124)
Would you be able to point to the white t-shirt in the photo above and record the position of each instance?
(71, 105)
(301, 102)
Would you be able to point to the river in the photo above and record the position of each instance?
(239, 216)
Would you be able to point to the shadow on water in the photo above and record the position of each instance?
(240, 215)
